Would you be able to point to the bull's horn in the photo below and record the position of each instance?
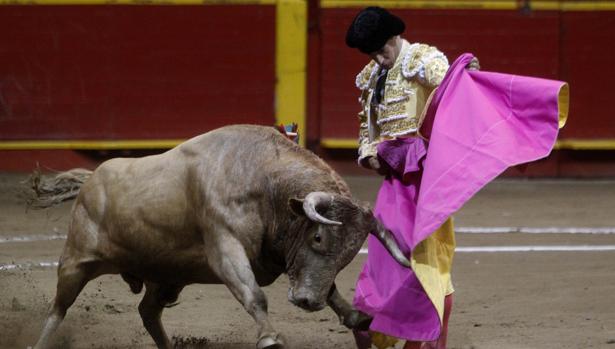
(314, 200)
(389, 242)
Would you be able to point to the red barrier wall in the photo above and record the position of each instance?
(587, 61)
(169, 72)
(127, 72)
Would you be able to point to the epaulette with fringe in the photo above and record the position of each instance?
(366, 75)
(417, 57)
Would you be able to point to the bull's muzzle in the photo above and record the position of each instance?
(305, 299)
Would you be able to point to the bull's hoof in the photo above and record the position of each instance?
(270, 342)
(357, 320)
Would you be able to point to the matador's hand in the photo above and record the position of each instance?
(473, 65)
(373, 163)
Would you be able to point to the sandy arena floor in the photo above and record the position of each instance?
(561, 299)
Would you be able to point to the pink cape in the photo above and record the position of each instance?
(478, 124)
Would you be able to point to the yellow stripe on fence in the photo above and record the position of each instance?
(544, 5)
(421, 4)
(475, 4)
(586, 144)
(89, 144)
(570, 144)
(138, 2)
(329, 143)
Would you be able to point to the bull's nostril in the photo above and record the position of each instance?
(307, 304)
(302, 303)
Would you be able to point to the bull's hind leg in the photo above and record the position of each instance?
(156, 298)
(72, 277)
(232, 266)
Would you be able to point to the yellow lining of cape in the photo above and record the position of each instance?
(563, 104)
(432, 260)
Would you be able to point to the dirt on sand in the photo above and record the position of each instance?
(502, 299)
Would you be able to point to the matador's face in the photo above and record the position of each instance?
(387, 55)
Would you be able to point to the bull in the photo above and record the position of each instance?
(239, 205)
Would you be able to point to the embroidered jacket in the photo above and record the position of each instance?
(419, 68)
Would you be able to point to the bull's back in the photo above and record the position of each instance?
(239, 151)
(247, 156)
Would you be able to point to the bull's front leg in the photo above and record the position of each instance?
(349, 316)
(232, 266)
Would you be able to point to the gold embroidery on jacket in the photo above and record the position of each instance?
(417, 71)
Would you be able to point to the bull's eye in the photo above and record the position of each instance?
(317, 238)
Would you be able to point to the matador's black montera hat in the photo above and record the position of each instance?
(371, 29)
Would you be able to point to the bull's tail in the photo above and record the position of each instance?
(48, 191)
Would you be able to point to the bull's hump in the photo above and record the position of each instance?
(239, 133)
(244, 152)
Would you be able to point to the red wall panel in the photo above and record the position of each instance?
(113, 72)
(504, 41)
(588, 57)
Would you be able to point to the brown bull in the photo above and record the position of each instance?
(239, 205)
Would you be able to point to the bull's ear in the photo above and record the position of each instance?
(296, 207)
